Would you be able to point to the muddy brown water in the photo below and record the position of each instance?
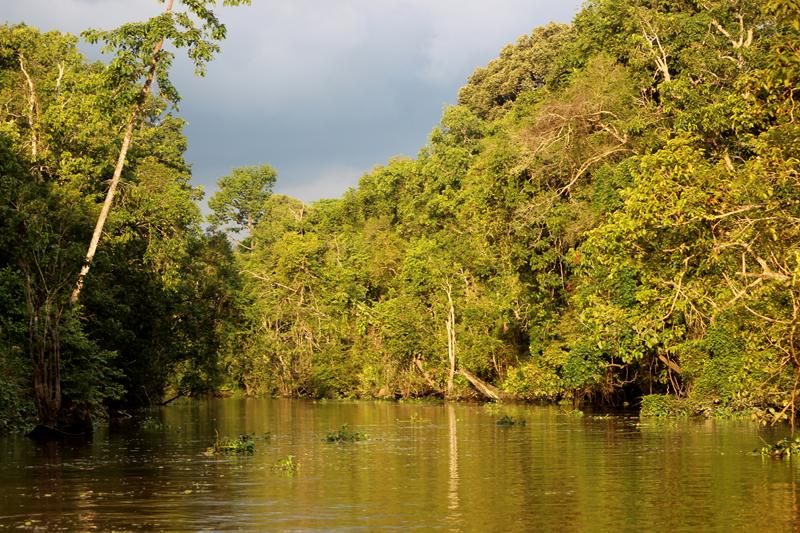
(424, 467)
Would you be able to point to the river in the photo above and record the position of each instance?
(447, 467)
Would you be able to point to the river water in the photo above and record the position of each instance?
(423, 467)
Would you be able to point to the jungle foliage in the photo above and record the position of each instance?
(148, 316)
(610, 212)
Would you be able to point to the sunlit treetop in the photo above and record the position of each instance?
(137, 46)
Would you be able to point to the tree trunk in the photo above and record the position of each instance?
(451, 338)
(123, 152)
(33, 109)
(44, 347)
(487, 389)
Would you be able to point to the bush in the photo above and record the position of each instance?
(663, 405)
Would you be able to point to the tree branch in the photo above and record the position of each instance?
(33, 108)
(651, 36)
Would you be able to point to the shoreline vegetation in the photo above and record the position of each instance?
(609, 216)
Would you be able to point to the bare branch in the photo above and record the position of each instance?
(743, 40)
(33, 108)
(651, 36)
(586, 165)
(58, 80)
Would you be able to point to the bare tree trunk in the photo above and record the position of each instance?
(33, 109)
(123, 152)
(487, 389)
(451, 338)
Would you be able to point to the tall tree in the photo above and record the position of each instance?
(242, 197)
(140, 57)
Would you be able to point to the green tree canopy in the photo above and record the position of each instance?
(241, 201)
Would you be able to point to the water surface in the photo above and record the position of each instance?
(424, 467)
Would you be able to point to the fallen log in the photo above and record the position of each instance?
(671, 364)
(425, 375)
(167, 402)
(487, 389)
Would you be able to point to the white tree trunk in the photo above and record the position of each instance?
(33, 109)
(123, 152)
(451, 337)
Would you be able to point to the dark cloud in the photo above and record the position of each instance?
(321, 89)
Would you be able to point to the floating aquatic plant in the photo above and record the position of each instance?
(287, 465)
(786, 447)
(344, 434)
(508, 421)
(149, 423)
(241, 445)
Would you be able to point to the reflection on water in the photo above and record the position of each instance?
(425, 466)
(452, 486)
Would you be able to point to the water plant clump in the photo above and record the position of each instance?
(786, 447)
(241, 445)
(288, 465)
(151, 424)
(508, 421)
(344, 434)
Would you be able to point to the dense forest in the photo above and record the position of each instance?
(610, 215)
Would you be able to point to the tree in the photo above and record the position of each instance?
(140, 56)
(48, 87)
(127, 345)
(524, 67)
(242, 197)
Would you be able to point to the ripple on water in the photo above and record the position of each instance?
(424, 467)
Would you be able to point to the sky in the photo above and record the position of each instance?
(322, 90)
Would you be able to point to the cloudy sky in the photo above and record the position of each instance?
(323, 90)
